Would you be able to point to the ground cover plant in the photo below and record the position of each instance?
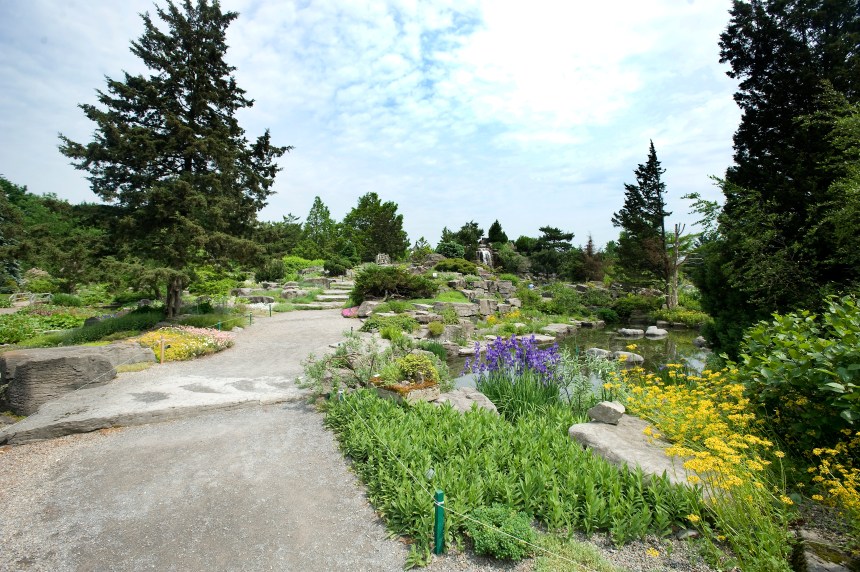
(528, 465)
(374, 281)
(132, 323)
(29, 322)
(186, 342)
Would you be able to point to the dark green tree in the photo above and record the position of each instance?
(642, 242)
(10, 235)
(375, 227)
(468, 236)
(278, 238)
(551, 250)
(592, 261)
(320, 232)
(496, 235)
(776, 246)
(526, 245)
(169, 152)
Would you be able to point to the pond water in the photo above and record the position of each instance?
(677, 347)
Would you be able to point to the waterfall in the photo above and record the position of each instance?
(485, 256)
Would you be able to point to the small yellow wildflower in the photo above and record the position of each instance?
(817, 498)
(694, 518)
(786, 500)
(779, 454)
(652, 552)
(632, 347)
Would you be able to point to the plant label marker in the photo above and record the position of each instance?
(439, 524)
(161, 347)
(250, 318)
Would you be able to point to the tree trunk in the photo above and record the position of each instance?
(174, 296)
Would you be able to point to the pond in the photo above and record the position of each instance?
(677, 347)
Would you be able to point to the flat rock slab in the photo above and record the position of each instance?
(464, 398)
(626, 444)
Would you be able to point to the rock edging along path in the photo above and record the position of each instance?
(261, 368)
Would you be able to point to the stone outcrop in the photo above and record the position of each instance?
(631, 332)
(36, 376)
(464, 398)
(627, 444)
(293, 292)
(606, 412)
(367, 308)
(630, 359)
(261, 299)
(599, 352)
(559, 330)
(700, 342)
(463, 310)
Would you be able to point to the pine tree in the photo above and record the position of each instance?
(374, 227)
(170, 153)
(642, 243)
(495, 235)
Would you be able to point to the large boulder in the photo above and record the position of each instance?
(629, 358)
(36, 376)
(463, 310)
(631, 332)
(655, 332)
(627, 444)
(606, 412)
(559, 330)
(261, 299)
(464, 398)
(599, 352)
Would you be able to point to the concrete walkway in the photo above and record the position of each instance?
(261, 368)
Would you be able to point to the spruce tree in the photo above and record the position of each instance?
(169, 152)
(642, 243)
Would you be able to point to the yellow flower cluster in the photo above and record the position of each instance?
(185, 343)
(837, 476)
(709, 420)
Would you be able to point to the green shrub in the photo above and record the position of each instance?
(690, 318)
(436, 328)
(337, 266)
(66, 300)
(497, 532)
(213, 281)
(625, 306)
(4, 301)
(95, 294)
(376, 281)
(435, 348)
(401, 322)
(565, 301)
(451, 249)
(596, 297)
(271, 271)
(417, 368)
(449, 316)
(513, 278)
(396, 306)
(133, 321)
(608, 315)
(212, 320)
(456, 265)
(392, 333)
(803, 370)
(293, 265)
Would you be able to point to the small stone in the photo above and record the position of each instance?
(687, 533)
(607, 412)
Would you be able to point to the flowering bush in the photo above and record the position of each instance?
(716, 434)
(839, 480)
(186, 342)
(516, 375)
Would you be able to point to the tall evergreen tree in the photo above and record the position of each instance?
(551, 250)
(170, 153)
(799, 70)
(319, 232)
(496, 235)
(642, 243)
(374, 227)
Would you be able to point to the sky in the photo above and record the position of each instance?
(532, 114)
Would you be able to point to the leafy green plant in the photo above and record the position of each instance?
(213, 320)
(66, 300)
(293, 265)
(418, 368)
(436, 328)
(400, 322)
(337, 265)
(449, 316)
(375, 281)
(451, 249)
(529, 466)
(564, 301)
(608, 315)
(501, 532)
(513, 278)
(803, 370)
(133, 321)
(625, 306)
(271, 271)
(396, 306)
(392, 333)
(690, 318)
(435, 348)
(456, 265)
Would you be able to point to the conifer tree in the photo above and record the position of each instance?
(642, 243)
(170, 153)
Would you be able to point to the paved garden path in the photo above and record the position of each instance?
(255, 488)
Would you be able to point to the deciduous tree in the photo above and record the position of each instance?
(374, 227)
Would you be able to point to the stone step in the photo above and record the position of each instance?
(342, 285)
(335, 292)
(319, 306)
(332, 298)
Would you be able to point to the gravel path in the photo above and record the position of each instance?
(258, 488)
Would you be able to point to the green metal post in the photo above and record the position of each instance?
(270, 310)
(219, 326)
(250, 318)
(439, 525)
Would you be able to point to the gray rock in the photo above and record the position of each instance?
(686, 533)
(559, 330)
(464, 398)
(34, 377)
(290, 285)
(367, 308)
(261, 299)
(515, 302)
(488, 306)
(631, 332)
(626, 444)
(320, 282)
(606, 412)
(700, 342)
(290, 293)
(241, 292)
(630, 359)
(598, 352)
(655, 332)
(463, 310)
